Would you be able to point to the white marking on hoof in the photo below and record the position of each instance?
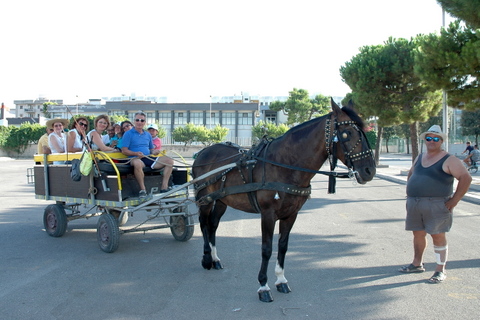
(280, 273)
(214, 253)
(264, 288)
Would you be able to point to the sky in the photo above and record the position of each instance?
(190, 50)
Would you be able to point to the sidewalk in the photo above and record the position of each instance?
(394, 167)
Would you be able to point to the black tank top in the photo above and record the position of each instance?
(430, 181)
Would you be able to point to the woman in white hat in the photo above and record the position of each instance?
(57, 139)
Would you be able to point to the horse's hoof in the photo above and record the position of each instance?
(283, 288)
(206, 265)
(217, 265)
(265, 296)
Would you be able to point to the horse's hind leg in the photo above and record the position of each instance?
(285, 228)
(209, 219)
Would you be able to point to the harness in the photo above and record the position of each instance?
(249, 158)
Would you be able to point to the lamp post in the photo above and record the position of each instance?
(210, 124)
(444, 98)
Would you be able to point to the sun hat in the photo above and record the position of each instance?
(56, 120)
(436, 130)
(152, 126)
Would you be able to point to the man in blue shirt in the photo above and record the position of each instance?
(138, 143)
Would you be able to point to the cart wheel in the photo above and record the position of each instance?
(116, 214)
(55, 220)
(180, 229)
(108, 234)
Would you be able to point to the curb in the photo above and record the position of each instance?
(467, 197)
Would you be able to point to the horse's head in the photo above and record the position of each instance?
(352, 146)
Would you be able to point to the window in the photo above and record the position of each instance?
(244, 118)
(228, 118)
(179, 118)
(213, 118)
(196, 118)
(165, 118)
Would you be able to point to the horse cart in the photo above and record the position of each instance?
(110, 191)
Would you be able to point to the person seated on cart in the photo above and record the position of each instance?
(96, 138)
(57, 139)
(138, 143)
(76, 134)
(42, 147)
(153, 130)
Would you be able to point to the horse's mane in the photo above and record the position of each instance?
(354, 116)
(349, 111)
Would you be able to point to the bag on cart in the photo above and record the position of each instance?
(86, 163)
(75, 170)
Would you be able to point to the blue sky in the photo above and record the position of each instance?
(189, 50)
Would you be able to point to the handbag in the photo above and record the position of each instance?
(86, 163)
(75, 173)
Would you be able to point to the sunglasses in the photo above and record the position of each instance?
(436, 139)
(141, 120)
(83, 124)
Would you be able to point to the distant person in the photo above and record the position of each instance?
(42, 147)
(430, 201)
(76, 134)
(138, 143)
(96, 138)
(474, 156)
(57, 139)
(153, 130)
(467, 151)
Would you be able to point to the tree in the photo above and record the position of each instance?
(268, 129)
(45, 106)
(470, 123)
(384, 85)
(388, 133)
(466, 10)
(451, 62)
(185, 134)
(300, 108)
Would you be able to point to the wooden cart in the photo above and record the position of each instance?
(111, 192)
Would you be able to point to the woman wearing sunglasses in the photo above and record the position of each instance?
(96, 138)
(77, 134)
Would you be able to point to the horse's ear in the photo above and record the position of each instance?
(350, 104)
(335, 107)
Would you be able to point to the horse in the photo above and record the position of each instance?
(273, 179)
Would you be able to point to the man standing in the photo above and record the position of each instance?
(138, 143)
(430, 201)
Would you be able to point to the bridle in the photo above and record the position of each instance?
(333, 136)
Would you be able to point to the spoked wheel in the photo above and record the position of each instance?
(108, 234)
(55, 220)
(179, 227)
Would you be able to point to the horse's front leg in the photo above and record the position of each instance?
(285, 228)
(268, 225)
(209, 221)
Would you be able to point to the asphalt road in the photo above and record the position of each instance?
(342, 263)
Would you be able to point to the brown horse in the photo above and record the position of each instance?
(274, 179)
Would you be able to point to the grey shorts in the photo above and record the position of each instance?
(429, 214)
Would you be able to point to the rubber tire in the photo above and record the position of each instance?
(116, 214)
(108, 233)
(55, 220)
(473, 170)
(179, 228)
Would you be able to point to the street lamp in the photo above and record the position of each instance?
(210, 112)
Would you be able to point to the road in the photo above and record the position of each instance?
(342, 263)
